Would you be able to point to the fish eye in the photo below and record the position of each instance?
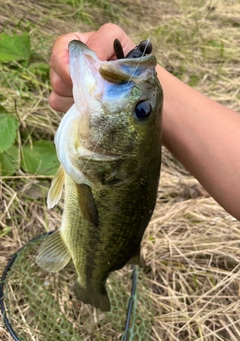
(142, 111)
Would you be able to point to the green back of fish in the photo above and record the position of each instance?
(104, 220)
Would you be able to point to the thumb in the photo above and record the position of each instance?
(101, 42)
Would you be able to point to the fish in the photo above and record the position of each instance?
(109, 148)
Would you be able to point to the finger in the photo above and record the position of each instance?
(101, 42)
(59, 60)
(60, 103)
(60, 87)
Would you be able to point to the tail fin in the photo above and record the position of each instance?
(98, 299)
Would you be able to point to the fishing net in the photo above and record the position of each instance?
(38, 305)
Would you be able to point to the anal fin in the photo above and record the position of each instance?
(53, 254)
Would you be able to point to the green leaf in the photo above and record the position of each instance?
(14, 48)
(9, 161)
(40, 158)
(8, 130)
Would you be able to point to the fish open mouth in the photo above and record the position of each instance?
(92, 77)
(95, 83)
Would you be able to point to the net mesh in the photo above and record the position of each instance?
(40, 305)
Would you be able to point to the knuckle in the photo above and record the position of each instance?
(56, 82)
(53, 101)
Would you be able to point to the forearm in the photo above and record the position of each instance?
(205, 137)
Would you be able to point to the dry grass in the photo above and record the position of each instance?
(192, 245)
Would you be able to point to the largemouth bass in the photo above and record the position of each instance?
(109, 147)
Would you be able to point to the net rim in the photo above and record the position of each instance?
(11, 263)
(2, 282)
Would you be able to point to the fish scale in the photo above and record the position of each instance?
(109, 147)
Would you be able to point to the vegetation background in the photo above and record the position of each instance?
(192, 245)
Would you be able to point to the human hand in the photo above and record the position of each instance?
(101, 42)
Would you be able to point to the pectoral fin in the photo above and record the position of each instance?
(87, 204)
(55, 190)
(53, 254)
